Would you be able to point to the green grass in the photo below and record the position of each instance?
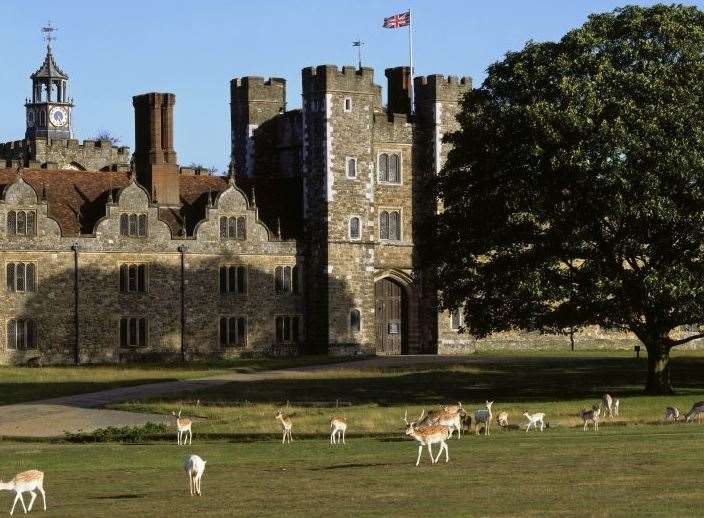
(648, 471)
(19, 384)
(374, 400)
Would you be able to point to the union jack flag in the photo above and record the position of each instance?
(398, 20)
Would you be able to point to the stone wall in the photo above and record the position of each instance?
(89, 155)
(101, 304)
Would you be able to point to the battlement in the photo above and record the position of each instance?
(256, 88)
(331, 78)
(47, 145)
(437, 87)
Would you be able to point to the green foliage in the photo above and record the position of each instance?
(575, 191)
(125, 434)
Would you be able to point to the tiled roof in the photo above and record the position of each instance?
(77, 199)
(49, 68)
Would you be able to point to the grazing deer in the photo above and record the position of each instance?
(194, 467)
(698, 409)
(672, 413)
(427, 436)
(286, 425)
(25, 482)
(534, 419)
(183, 427)
(502, 419)
(338, 425)
(610, 405)
(591, 416)
(483, 415)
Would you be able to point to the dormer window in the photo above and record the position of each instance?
(233, 228)
(133, 225)
(22, 223)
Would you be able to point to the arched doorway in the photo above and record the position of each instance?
(391, 317)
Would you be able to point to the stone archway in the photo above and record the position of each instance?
(391, 315)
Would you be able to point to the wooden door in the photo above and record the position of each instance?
(390, 317)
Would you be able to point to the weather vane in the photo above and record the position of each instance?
(359, 44)
(48, 31)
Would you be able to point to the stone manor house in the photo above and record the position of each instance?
(310, 245)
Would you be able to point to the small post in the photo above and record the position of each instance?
(637, 350)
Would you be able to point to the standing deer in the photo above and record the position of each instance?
(672, 413)
(698, 409)
(591, 416)
(338, 425)
(427, 436)
(534, 419)
(183, 427)
(610, 405)
(483, 415)
(286, 425)
(25, 482)
(455, 409)
(194, 468)
(444, 417)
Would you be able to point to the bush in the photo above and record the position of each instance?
(125, 434)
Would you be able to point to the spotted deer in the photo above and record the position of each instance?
(25, 482)
(591, 416)
(183, 427)
(194, 467)
(502, 419)
(427, 436)
(338, 425)
(697, 409)
(443, 417)
(286, 425)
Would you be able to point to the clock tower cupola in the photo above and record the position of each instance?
(49, 110)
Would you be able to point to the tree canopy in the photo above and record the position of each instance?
(574, 193)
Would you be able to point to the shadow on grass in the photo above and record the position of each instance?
(513, 379)
(119, 497)
(353, 465)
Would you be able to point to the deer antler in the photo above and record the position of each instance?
(405, 417)
(421, 416)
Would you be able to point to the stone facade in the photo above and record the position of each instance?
(89, 155)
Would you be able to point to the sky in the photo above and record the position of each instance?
(114, 50)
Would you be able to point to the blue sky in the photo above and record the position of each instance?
(114, 50)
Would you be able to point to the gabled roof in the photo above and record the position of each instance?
(49, 68)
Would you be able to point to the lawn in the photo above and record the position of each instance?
(648, 471)
(18, 384)
(374, 400)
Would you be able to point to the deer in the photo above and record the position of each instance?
(698, 409)
(534, 419)
(455, 409)
(194, 467)
(591, 416)
(25, 482)
(183, 427)
(452, 420)
(427, 436)
(286, 426)
(672, 413)
(338, 425)
(502, 419)
(610, 404)
(483, 416)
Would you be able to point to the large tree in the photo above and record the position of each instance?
(574, 194)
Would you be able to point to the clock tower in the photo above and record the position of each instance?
(49, 110)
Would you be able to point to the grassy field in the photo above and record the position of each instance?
(18, 384)
(374, 400)
(651, 471)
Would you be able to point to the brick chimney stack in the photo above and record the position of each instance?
(154, 156)
(399, 95)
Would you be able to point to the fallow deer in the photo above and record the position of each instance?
(194, 468)
(455, 409)
(183, 427)
(286, 425)
(502, 419)
(427, 436)
(672, 413)
(698, 409)
(443, 417)
(591, 416)
(25, 482)
(534, 419)
(338, 425)
(483, 415)
(610, 405)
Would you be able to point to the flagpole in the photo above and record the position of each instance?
(410, 59)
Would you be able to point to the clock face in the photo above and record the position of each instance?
(58, 116)
(30, 118)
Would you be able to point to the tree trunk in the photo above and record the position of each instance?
(658, 368)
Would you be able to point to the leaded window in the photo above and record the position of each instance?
(21, 277)
(233, 331)
(22, 223)
(354, 228)
(133, 225)
(234, 227)
(389, 168)
(21, 334)
(133, 278)
(233, 279)
(390, 225)
(133, 332)
(286, 279)
(287, 329)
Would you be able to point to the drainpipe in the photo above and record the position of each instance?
(182, 250)
(76, 347)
